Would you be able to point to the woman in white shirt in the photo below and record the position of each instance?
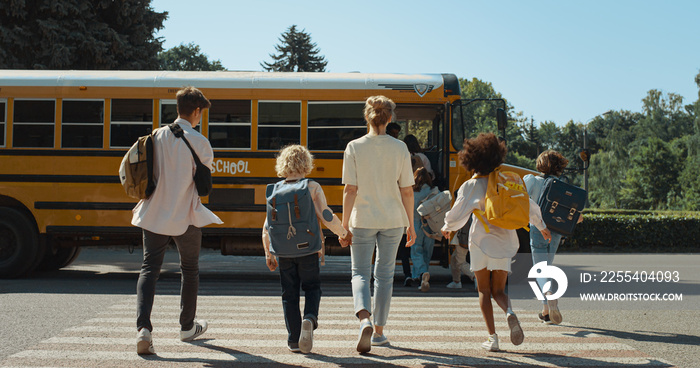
(377, 206)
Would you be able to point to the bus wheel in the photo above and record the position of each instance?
(19, 243)
(57, 258)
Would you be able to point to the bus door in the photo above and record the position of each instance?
(427, 123)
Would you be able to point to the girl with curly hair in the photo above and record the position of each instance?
(490, 252)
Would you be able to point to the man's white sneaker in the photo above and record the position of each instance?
(197, 330)
(454, 285)
(144, 342)
(306, 339)
(491, 344)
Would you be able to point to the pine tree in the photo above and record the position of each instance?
(79, 34)
(296, 54)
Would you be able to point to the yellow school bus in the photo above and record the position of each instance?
(63, 134)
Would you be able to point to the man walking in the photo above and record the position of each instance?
(174, 211)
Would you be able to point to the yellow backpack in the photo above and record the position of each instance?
(507, 204)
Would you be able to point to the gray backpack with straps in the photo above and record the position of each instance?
(291, 219)
(433, 210)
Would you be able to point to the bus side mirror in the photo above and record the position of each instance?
(501, 118)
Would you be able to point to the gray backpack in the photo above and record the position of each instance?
(291, 218)
(433, 210)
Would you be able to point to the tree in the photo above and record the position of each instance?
(79, 34)
(187, 57)
(296, 54)
(652, 176)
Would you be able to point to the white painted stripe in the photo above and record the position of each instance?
(299, 359)
(320, 343)
(324, 315)
(321, 331)
(476, 321)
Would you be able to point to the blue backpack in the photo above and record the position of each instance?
(291, 218)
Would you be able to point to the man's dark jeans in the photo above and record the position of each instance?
(295, 273)
(154, 247)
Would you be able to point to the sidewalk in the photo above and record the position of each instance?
(213, 265)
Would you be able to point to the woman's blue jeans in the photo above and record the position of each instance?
(543, 250)
(364, 242)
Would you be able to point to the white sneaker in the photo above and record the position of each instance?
(306, 339)
(379, 340)
(424, 284)
(364, 341)
(197, 330)
(454, 285)
(144, 342)
(491, 344)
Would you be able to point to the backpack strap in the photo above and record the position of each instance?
(297, 211)
(179, 133)
(274, 209)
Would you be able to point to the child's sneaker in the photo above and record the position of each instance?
(454, 285)
(554, 313)
(424, 284)
(378, 340)
(306, 339)
(197, 330)
(516, 332)
(364, 344)
(144, 342)
(491, 344)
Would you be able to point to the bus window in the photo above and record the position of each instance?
(3, 119)
(130, 119)
(333, 124)
(279, 124)
(422, 122)
(33, 123)
(168, 112)
(229, 124)
(82, 124)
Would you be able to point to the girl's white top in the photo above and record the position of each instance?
(378, 165)
(499, 242)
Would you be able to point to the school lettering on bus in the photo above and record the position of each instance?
(230, 167)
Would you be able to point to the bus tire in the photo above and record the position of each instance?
(58, 257)
(19, 243)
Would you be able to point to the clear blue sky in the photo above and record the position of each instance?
(553, 60)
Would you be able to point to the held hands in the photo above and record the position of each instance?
(271, 262)
(447, 234)
(346, 241)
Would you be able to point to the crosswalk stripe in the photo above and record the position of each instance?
(249, 330)
(426, 345)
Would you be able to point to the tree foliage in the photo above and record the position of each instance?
(187, 57)
(646, 160)
(79, 34)
(296, 53)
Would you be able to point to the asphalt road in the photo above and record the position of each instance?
(39, 310)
